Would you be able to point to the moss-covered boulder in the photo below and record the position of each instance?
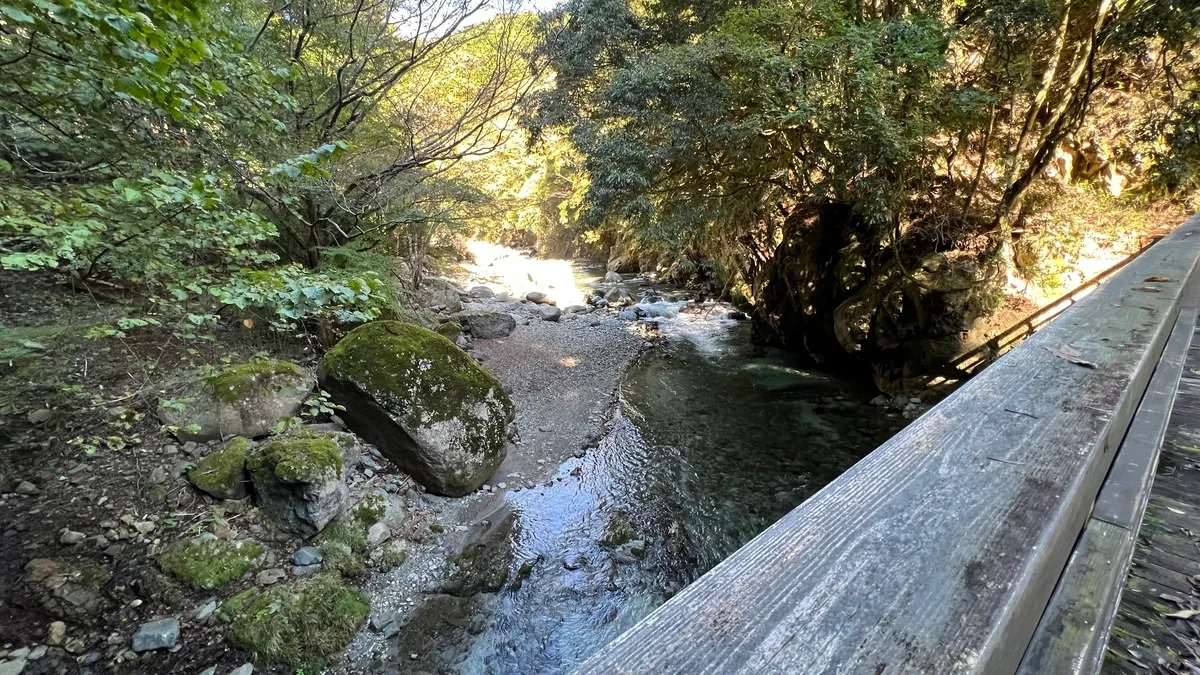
(300, 480)
(303, 624)
(247, 400)
(423, 402)
(222, 474)
(207, 562)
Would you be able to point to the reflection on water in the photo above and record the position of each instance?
(713, 444)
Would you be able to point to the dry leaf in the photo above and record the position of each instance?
(1071, 354)
(1157, 278)
(248, 323)
(1146, 289)
(1183, 614)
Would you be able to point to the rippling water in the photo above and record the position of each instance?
(715, 440)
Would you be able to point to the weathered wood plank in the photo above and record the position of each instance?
(1073, 632)
(938, 552)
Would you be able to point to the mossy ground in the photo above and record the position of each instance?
(220, 472)
(302, 624)
(247, 379)
(392, 556)
(298, 459)
(213, 563)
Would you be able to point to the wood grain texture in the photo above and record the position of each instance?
(937, 552)
(1073, 632)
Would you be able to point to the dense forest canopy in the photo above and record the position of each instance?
(866, 176)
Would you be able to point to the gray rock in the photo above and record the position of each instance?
(308, 555)
(159, 634)
(305, 570)
(206, 610)
(158, 476)
(378, 533)
(13, 667)
(244, 669)
(26, 488)
(576, 309)
(630, 314)
(618, 296)
(539, 298)
(438, 291)
(269, 577)
(300, 480)
(211, 670)
(40, 416)
(549, 312)
(19, 653)
(426, 405)
(37, 653)
(481, 292)
(70, 537)
(486, 325)
(244, 400)
(612, 277)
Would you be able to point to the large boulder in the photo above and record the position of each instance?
(426, 405)
(485, 325)
(243, 400)
(300, 480)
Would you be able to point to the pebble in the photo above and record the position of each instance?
(304, 570)
(308, 555)
(26, 488)
(158, 634)
(501, 486)
(37, 653)
(244, 669)
(58, 631)
(206, 610)
(378, 534)
(211, 670)
(90, 658)
(70, 537)
(13, 667)
(158, 476)
(20, 653)
(144, 527)
(75, 646)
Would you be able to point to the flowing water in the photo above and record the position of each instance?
(715, 439)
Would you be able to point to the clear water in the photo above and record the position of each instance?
(714, 441)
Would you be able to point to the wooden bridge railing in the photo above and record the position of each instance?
(940, 551)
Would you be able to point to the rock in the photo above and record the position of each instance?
(619, 297)
(222, 474)
(270, 576)
(37, 653)
(438, 291)
(575, 309)
(305, 570)
(300, 479)
(70, 537)
(549, 312)
(56, 633)
(481, 292)
(206, 610)
(159, 475)
(426, 405)
(881, 400)
(244, 669)
(539, 298)
(486, 325)
(308, 555)
(75, 646)
(40, 416)
(208, 562)
(381, 507)
(244, 400)
(611, 277)
(19, 653)
(377, 534)
(451, 330)
(211, 670)
(144, 527)
(630, 314)
(13, 667)
(26, 488)
(159, 634)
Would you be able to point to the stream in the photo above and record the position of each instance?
(714, 439)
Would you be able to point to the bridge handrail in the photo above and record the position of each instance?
(939, 551)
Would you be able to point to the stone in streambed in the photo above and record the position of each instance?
(244, 400)
(549, 312)
(485, 325)
(424, 403)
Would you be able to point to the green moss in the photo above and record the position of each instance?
(303, 624)
(298, 459)
(449, 330)
(237, 382)
(437, 528)
(618, 531)
(341, 558)
(353, 535)
(388, 357)
(213, 563)
(221, 473)
(370, 510)
(392, 556)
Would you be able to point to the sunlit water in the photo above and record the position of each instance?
(713, 442)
